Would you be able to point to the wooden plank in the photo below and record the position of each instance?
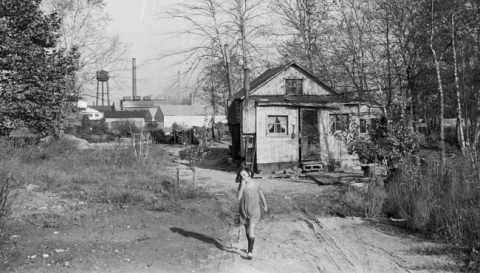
(276, 148)
(248, 117)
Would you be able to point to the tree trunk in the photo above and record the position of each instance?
(440, 92)
(193, 178)
(460, 126)
(476, 137)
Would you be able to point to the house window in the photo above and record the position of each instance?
(338, 122)
(277, 125)
(294, 87)
(96, 115)
(363, 126)
(90, 115)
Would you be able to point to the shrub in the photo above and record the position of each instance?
(444, 201)
(391, 140)
(197, 152)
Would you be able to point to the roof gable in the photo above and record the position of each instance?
(271, 74)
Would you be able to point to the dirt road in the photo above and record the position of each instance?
(304, 231)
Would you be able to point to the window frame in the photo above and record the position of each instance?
(297, 90)
(365, 126)
(276, 134)
(337, 121)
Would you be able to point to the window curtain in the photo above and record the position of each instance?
(277, 124)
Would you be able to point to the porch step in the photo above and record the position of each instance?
(312, 166)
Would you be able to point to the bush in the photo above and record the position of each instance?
(444, 202)
(125, 128)
(392, 140)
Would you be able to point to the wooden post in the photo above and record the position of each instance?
(247, 81)
(178, 181)
(229, 74)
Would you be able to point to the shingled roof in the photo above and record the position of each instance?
(305, 99)
(102, 108)
(271, 73)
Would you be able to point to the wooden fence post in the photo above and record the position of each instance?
(178, 181)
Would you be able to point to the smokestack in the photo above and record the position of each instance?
(134, 78)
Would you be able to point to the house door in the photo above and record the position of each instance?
(309, 135)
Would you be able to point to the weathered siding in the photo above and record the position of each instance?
(277, 148)
(331, 147)
(276, 86)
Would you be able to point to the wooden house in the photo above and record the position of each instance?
(96, 112)
(291, 119)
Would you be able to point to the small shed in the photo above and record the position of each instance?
(291, 118)
(136, 117)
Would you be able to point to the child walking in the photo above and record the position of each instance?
(249, 194)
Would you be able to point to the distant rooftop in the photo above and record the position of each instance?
(184, 110)
(126, 114)
(103, 108)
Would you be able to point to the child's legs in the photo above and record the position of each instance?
(252, 230)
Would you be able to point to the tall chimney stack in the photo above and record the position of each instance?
(134, 78)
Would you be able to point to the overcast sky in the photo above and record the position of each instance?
(136, 22)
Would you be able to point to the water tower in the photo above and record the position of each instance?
(102, 77)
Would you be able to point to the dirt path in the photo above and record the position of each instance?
(302, 232)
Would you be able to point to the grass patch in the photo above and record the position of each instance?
(190, 192)
(110, 175)
(368, 200)
(442, 202)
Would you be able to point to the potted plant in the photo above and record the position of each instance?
(368, 153)
(333, 165)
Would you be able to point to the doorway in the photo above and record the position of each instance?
(309, 135)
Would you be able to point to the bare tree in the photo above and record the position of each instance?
(209, 24)
(83, 24)
(304, 22)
